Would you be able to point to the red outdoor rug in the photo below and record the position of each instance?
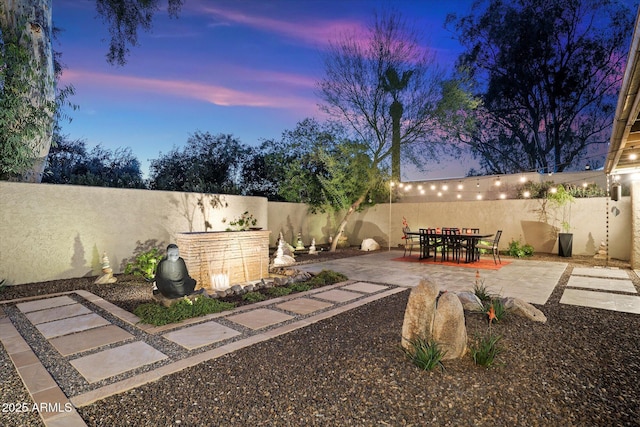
(483, 264)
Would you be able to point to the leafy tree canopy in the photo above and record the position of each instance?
(69, 162)
(547, 73)
(206, 164)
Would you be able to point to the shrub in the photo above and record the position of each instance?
(158, 315)
(517, 251)
(145, 264)
(279, 291)
(485, 350)
(300, 287)
(254, 297)
(326, 277)
(425, 355)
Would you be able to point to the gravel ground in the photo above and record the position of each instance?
(580, 368)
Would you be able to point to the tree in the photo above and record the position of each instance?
(386, 88)
(329, 171)
(27, 54)
(265, 170)
(69, 162)
(27, 99)
(206, 164)
(547, 73)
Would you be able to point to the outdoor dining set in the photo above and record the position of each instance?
(451, 243)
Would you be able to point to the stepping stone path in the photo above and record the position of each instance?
(603, 288)
(104, 350)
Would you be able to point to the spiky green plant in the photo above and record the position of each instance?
(482, 291)
(485, 350)
(499, 310)
(425, 354)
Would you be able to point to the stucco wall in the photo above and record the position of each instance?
(52, 232)
(518, 219)
(60, 231)
(635, 225)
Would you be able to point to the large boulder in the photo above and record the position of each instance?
(369, 245)
(449, 329)
(419, 314)
(470, 301)
(524, 309)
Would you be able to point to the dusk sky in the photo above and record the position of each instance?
(241, 67)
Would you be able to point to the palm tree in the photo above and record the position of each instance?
(394, 84)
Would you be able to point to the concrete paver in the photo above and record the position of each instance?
(612, 273)
(200, 335)
(114, 361)
(603, 300)
(304, 305)
(71, 325)
(260, 318)
(90, 339)
(57, 313)
(603, 284)
(42, 304)
(337, 295)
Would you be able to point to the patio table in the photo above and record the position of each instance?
(471, 238)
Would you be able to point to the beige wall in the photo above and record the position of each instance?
(52, 232)
(60, 231)
(635, 225)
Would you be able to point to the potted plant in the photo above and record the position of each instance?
(560, 200)
(245, 221)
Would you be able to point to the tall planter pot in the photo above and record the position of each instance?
(565, 244)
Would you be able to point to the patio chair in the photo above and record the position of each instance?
(492, 245)
(471, 253)
(451, 243)
(409, 241)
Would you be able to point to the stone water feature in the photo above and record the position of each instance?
(224, 258)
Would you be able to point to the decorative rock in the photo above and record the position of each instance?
(449, 329)
(299, 244)
(602, 251)
(369, 245)
(524, 309)
(107, 272)
(470, 301)
(248, 288)
(312, 248)
(281, 258)
(237, 289)
(419, 314)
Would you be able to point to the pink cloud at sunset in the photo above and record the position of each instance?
(218, 95)
(317, 32)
